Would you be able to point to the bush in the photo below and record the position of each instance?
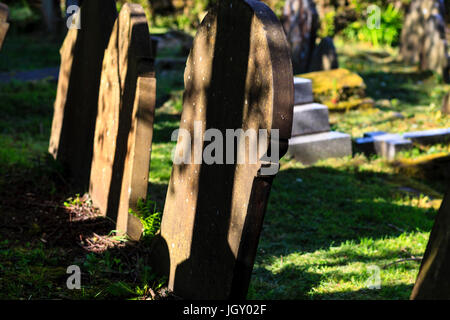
(387, 33)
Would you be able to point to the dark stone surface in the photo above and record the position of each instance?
(238, 75)
(76, 103)
(324, 56)
(433, 280)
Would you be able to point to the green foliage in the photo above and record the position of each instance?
(149, 217)
(388, 32)
(327, 28)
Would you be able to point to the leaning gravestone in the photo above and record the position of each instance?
(76, 101)
(238, 75)
(433, 280)
(124, 127)
(4, 25)
(300, 23)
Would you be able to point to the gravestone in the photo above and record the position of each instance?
(423, 38)
(75, 109)
(4, 25)
(446, 104)
(124, 126)
(238, 76)
(433, 280)
(301, 23)
(51, 14)
(324, 56)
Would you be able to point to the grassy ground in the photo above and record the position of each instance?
(328, 228)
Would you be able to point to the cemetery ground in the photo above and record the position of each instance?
(325, 228)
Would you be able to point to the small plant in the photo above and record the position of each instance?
(73, 202)
(150, 218)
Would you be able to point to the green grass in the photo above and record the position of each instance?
(325, 227)
(23, 52)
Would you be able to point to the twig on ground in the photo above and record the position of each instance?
(403, 260)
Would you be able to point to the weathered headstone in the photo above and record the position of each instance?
(301, 23)
(51, 13)
(324, 56)
(75, 113)
(423, 38)
(433, 280)
(446, 104)
(238, 76)
(4, 25)
(124, 127)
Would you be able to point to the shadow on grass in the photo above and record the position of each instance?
(316, 207)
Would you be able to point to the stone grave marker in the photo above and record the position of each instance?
(312, 139)
(4, 25)
(124, 126)
(446, 104)
(324, 56)
(238, 76)
(433, 280)
(301, 23)
(423, 38)
(75, 108)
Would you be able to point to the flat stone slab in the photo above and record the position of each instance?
(429, 136)
(388, 145)
(303, 92)
(311, 148)
(310, 118)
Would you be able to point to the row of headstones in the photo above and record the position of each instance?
(104, 108)
(103, 124)
(238, 75)
(312, 138)
(4, 25)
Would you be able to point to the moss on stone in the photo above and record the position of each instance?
(338, 89)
